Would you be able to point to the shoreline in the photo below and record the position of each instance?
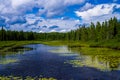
(6, 45)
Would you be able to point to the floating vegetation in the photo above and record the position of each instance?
(62, 49)
(100, 58)
(7, 61)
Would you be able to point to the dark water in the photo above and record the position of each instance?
(57, 62)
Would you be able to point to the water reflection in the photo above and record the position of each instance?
(11, 56)
(63, 51)
(100, 58)
(62, 63)
(19, 49)
(7, 61)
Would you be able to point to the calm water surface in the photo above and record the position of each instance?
(61, 62)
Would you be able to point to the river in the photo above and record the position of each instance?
(61, 62)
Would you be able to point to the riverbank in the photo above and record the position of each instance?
(113, 44)
(6, 45)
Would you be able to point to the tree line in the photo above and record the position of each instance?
(16, 35)
(95, 32)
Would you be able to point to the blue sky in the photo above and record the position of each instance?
(55, 15)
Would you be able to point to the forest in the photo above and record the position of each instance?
(106, 30)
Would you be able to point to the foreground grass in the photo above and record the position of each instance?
(27, 78)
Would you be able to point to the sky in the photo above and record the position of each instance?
(55, 15)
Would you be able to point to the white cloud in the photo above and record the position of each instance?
(53, 30)
(100, 13)
(98, 10)
(11, 9)
(17, 3)
(86, 7)
(63, 24)
(35, 23)
(41, 31)
(63, 30)
(101, 18)
(55, 7)
(5, 7)
(71, 2)
(49, 7)
(31, 18)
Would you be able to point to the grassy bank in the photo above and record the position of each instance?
(113, 44)
(6, 45)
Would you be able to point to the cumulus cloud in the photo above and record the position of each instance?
(86, 7)
(63, 30)
(19, 14)
(47, 7)
(39, 24)
(17, 20)
(99, 12)
(96, 11)
(56, 7)
(18, 3)
(40, 15)
(58, 24)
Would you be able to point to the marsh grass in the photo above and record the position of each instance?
(7, 61)
(26, 78)
(113, 44)
(6, 45)
(100, 58)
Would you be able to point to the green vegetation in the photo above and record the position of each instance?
(105, 34)
(27, 78)
(104, 59)
(7, 61)
(99, 58)
(6, 45)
